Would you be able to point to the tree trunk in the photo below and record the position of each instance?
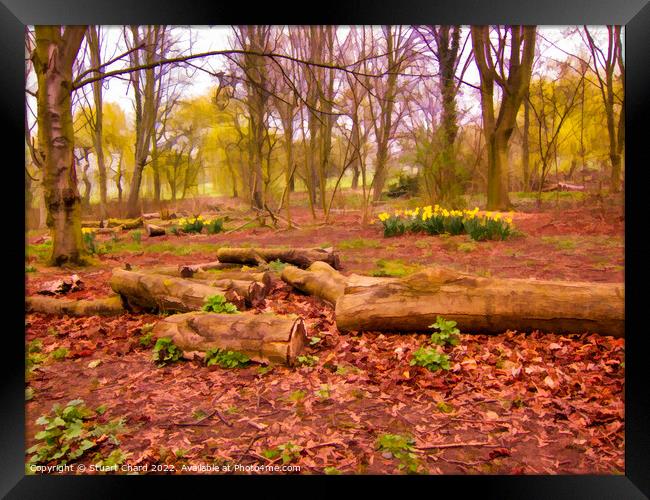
(165, 293)
(525, 147)
(108, 306)
(301, 257)
(262, 337)
(322, 280)
(53, 59)
(486, 305)
(95, 60)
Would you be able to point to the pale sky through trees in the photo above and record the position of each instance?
(552, 43)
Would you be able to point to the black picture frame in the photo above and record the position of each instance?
(634, 14)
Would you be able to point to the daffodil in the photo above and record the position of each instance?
(383, 216)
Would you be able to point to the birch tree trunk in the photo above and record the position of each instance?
(53, 59)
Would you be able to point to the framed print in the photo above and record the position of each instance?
(377, 241)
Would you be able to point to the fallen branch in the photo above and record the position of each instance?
(109, 306)
(434, 446)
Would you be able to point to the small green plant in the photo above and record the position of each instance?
(215, 226)
(402, 448)
(30, 269)
(174, 230)
(226, 359)
(136, 236)
(448, 333)
(314, 340)
(307, 360)
(332, 471)
(287, 451)
(219, 304)
(430, 359)
(90, 242)
(297, 396)
(166, 352)
(277, 265)
(323, 392)
(60, 353)
(146, 337)
(68, 433)
(444, 407)
(263, 370)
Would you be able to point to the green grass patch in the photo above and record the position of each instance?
(358, 243)
(394, 268)
(561, 242)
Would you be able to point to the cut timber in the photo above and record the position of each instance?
(264, 277)
(188, 270)
(166, 293)
(323, 281)
(154, 230)
(262, 337)
(126, 223)
(488, 305)
(301, 257)
(108, 306)
(253, 292)
(153, 215)
(320, 279)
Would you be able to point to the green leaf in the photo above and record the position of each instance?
(95, 363)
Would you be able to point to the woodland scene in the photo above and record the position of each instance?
(324, 249)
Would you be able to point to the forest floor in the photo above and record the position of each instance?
(512, 403)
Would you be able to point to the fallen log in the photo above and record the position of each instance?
(320, 280)
(166, 293)
(126, 223)
(323, 281)
(262, 337)
(483, 305)
(253, 287)
(253, 292)
(108, 306)
(301, 257)
(154, 230)
(189, 270)
(152, 215)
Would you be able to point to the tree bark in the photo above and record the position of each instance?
(108, 306)
(53, 59)
(262, 337)
(166, 293)
(514, 86)
(301, 257)
(483, 305)
(95, 60)
(322, 280)
(153, 231)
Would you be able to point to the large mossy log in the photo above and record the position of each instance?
(109, 306)
(167, 293)
(301, 257)
(262, 337)
(323, 281)
(482, 305)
